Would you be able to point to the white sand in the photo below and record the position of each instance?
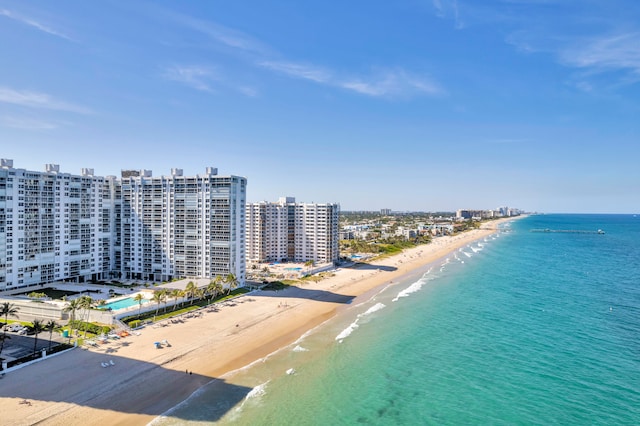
(74, 389)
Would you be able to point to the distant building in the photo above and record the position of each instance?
(290, 231)
(487, 214)
(385, 212)
(58, 226)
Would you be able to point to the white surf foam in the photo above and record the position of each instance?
(299, 348)
(347, 331)
(374, 308)
(257, 391)
(411, 289)
(291, 371)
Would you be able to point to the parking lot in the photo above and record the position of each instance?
(19, 345)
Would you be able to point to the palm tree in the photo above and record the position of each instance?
(38, 327)
(200, 293)
(50, 326)
(190, 289)
(157, 297)
(232, 281)
(183, 294)
(219, 286)
(164, 294)
(85, 303)
(7, 309)
(73, 306)
(139, 298)
(214, 288)
(309, 264)
(175, 295)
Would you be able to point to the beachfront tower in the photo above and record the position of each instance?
(58, 226)
(290, 231)
(182, 226)
(53, 226)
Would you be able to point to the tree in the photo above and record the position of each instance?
(164, 294)
(73, 306)
(214, 288)
(175, 295)
(219, 286)
(182, 294)
(200, 293)
(157, 297)
(139, 298)
(85, 303)
(309, 264)
(6, 310)
(50, 326)
(190, 289)
(38, 327)
(231, 281)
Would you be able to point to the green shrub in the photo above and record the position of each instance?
(89, 327)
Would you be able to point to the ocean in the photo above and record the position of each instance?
(518, 328)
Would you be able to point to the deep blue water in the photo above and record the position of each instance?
(518, 328)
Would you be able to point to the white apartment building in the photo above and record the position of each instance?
(290, 231)
(57, 226)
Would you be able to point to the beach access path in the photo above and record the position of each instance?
(76, 388)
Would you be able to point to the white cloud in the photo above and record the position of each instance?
(306, 72)
(33, 23)
(228, 37)
(203, 79)
(196, 77)
(392, 83)
(383, 84)
(617, 52)
(248, 91)
(449, 7)
(38, 100)
(591, 55)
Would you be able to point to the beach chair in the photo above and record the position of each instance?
(111, 362)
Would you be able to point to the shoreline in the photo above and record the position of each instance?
(146, 382)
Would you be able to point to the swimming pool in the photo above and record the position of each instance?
(293, 269)
(122, 304)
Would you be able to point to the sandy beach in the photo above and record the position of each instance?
(144, 382)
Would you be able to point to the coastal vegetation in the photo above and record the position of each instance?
(199, 301)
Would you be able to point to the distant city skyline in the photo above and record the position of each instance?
(431, 105)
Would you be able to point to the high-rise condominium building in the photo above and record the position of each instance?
(290, 231)
(57, 226)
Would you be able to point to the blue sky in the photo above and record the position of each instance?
(407, 104)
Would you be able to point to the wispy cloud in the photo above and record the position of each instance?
(392, 83)
(227, 37)
(619, 52)
(199, 78)
(38, 100)
(26, 123)
(33, 23)
(382, 83)
(389, 83)
(204, 79)
(446, 8)
(615, 52)
(307, 72)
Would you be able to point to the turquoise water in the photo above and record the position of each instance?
(122, 304)
(518, 328)
(293, 269)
